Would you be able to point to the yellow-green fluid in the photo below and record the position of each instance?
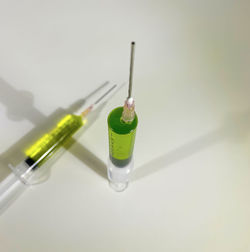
(46, 146)
(121, 137)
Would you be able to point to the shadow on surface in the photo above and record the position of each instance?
(82, 153)
(235, 129)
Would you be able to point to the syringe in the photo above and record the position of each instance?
(45, 147)
(122, 124)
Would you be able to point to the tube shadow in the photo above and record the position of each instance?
(20, 106)
(235, 129)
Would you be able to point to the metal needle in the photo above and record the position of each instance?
(131, 68)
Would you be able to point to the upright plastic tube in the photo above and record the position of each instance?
(121, 145)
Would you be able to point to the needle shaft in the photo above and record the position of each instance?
(131, 68)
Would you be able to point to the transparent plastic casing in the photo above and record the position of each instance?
(121, 145)
(38, 159)
(119, 177)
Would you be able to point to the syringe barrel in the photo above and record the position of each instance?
(33, 169)
(10, 189)
(121, 145)
(45, 146)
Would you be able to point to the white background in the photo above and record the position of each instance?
(190, 188)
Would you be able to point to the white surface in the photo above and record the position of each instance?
(191, 184)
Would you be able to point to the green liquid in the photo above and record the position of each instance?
(46, 146)
(121, 138)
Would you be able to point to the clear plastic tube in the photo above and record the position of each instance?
(121, 145)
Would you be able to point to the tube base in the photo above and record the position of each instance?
(119, 176)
